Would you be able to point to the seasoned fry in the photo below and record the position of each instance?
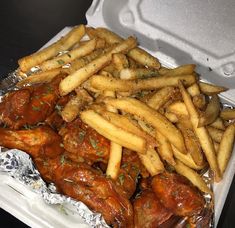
(186, 159)
(115, 155)
(138, 54)
(106, 83)
(137, 73)
(152, 162)
(226, 147)
(164, 148)
(211, 113)
(218, 123)
(41, 77)
(161, 97)
(63, 44)
(120, 61)
(227, 114)
(152, 117)
(73, 107)
(193, 176)
(181, 70)
(199, 101)
(68, 57)
(178, 108)
(192, 144)
(210, 89)
(112, 132)
(202, 134)
(215, 134)
(194, 90)
(78, 77)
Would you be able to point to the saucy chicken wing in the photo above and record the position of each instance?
(29, 105)
(41, 141)
(177, 194)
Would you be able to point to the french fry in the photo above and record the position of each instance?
(73, 107)
(181, 70)
(158, 121)
(186, 159)
(192, 176)
(218, 123)
(192, 144)
(68, 57)
(137, 73)
(164, 148)
(138, 54)
(226, 147)
(63, 44)
(152, 162)
(227, 114)
(161, 97)
(199, 101)
(194, 90)
(120, 61)
(115, 155)
(112, 132)
(210, 89)
(78, 77)
(216, 134)
(211, 113)
(171, 117)
(202, 134)
(106, 83)
(178, 108)
(41, 77)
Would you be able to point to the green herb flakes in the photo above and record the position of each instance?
(61, 62)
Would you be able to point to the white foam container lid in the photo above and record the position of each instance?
(176, 32)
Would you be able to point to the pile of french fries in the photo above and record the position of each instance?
(168, 116)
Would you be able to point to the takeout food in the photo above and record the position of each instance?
(111, 127)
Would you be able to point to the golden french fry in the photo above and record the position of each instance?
(226, 147)
(187, 159)
(159, 98)
(68, 57)
(181, 70)
(115, 155)
(164, 148)
(194, 90)
(106, 83)
(171, 117)
(211, 113)
(63, 44)
(152, 162)
(192, 176)
(138, 54)
(100, 43)
(78, 77)
(227, 114)
(73, 107)
(216, 134)
(202, 133)
(112, 132)
(137, 73)
(218, 123)
(158, 121)
(199, 101)
(192, 144)
(120, 61)
(178, 108)
(210, 89)
(41, 77)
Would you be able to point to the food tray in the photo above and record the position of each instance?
(164, 28)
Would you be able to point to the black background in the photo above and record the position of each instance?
(26, 25)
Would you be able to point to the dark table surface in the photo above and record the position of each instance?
(25, 25)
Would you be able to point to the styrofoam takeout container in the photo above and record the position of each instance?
(176, 32)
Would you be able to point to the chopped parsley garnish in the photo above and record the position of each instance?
(61, 62)
(69, 55)
(94, 143)
(100, 153)
(81, 135)
(35, 108)
(121, 178)
(62, 159)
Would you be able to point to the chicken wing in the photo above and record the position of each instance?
(29, 105)
(41, 141)
(177, 194)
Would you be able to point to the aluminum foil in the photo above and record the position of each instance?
(20, 166)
